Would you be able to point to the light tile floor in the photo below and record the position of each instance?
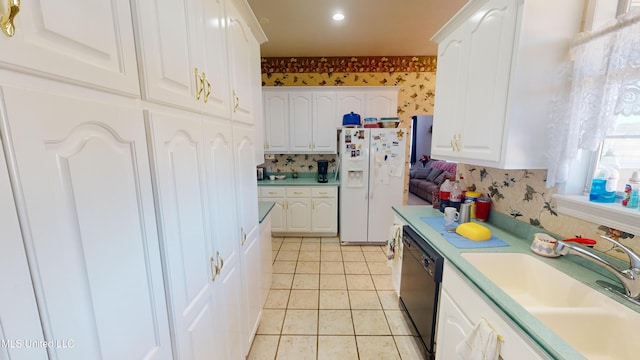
(329, 301)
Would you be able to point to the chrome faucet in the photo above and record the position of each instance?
(630, 278)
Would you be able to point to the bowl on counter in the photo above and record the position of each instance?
(389, 122)
(280, 177)
(272, 177)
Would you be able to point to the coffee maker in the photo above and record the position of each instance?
(323, 167)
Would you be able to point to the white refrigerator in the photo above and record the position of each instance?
(371, 182)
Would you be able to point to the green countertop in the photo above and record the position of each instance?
(300, 181)
(519, 238)
(264, 207)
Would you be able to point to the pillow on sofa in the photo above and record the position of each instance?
(420, 173)
(433, 174)
(440, 179)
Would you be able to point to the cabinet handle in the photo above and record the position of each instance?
(297, 193)
(236, 101)
(208, 86)
(6, 20)
(286, 205)
(322, 193)
(199, 84)
(313, 204)
(309, 145)
(214, 270)
(266, 145)
(219, 267)
(244, 236)
(272, 192)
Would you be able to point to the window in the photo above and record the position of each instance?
(598, 110)
(624, 140)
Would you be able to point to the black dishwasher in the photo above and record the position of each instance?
(420, 285)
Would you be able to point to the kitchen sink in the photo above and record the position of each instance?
(532, 282)
(595, 325)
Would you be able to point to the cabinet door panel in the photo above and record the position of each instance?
(221, 183)
(324, 216)
(247, 194)
(490, 47)
(453, 328)
(299, 214)
(350, 102)
(18, 308)
(300, 121)
(252, 282)
(55, 38)
(91, 225)
(278, 215)
(325, 122)
(167, 57)
(450, 92)
(381, 104)
(215, 46)
(244, 60)
(276, 119)
(179, 179)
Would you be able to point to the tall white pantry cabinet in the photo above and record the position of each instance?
(127, 216)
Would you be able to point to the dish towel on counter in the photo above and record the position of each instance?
(395, 235)
(482, 343)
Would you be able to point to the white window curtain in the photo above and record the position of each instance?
(601, 82)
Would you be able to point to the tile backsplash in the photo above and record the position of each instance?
(288, 163)
(522, 194)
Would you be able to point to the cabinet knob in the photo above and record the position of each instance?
(244, 236)
(6, 19)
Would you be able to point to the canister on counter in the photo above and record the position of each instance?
(473, 196)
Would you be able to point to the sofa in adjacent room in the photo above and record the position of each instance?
(424, 181)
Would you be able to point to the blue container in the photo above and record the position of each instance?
(599, 193)
(351, 119)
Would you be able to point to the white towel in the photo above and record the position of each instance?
(482, 343)
(395, 235)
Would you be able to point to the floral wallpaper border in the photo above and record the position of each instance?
(375, 64)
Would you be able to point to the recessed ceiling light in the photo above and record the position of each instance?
(338, 16)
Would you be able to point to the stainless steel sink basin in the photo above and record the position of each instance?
(595, 325)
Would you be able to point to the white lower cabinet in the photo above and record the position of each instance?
(266, 258)
(303, 210)
(18, 307)
(88, 222)
(179, 174)
(396, 264)
(252, 281)
(461, 307)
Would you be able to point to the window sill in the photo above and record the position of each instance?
(612, 215)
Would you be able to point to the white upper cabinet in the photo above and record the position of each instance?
(91, 43)
(184, 64)
(300, 127)
(306, 119)
(90, 228)
(276, 121)
(350, 102)
(325, 122)
(244, 60)
(497, 61)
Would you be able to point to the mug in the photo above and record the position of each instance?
(450, 215)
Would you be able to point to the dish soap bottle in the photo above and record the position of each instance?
(605, 180)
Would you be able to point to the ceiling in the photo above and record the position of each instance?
(304, 28)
